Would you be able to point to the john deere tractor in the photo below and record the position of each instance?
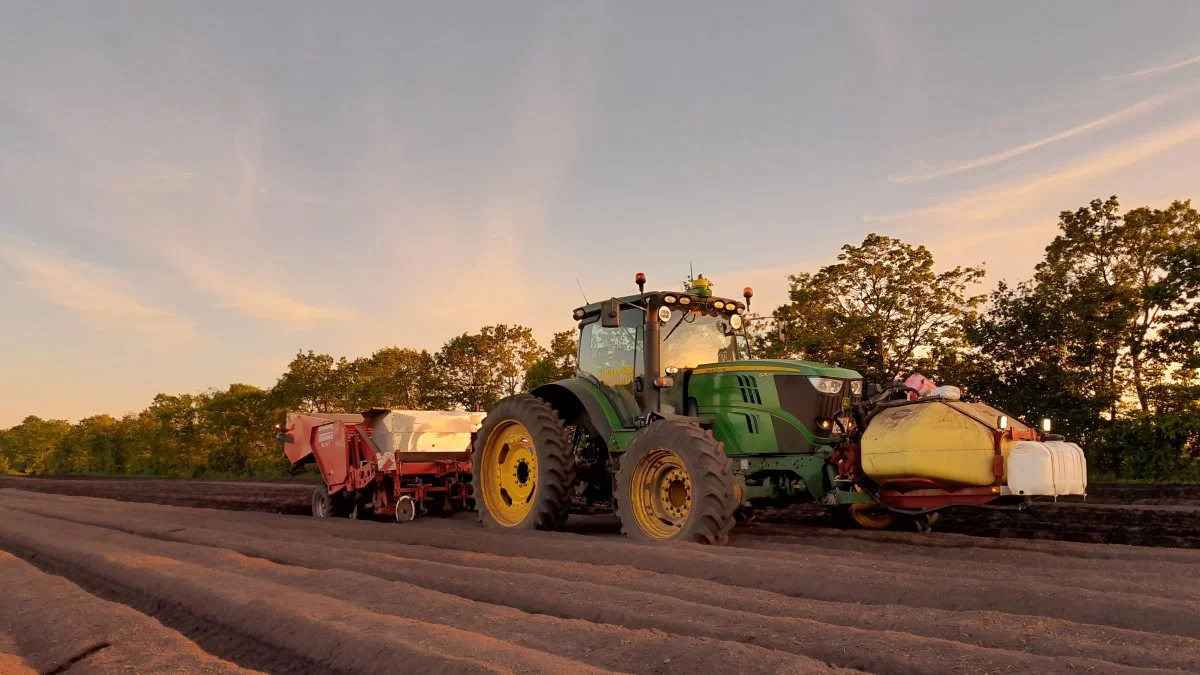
(668, 419)
(671, 421)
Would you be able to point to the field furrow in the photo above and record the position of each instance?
(279, 593)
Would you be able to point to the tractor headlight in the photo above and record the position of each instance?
(719, 304)
(856, 387)
(670, 299)
(826, 385)
(685, 300)
(735, 321)
(664, 314)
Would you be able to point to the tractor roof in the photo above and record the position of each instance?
(638, 298)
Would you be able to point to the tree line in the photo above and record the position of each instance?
(1103, 339)
(231, 432)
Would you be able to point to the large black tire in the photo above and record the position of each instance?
(551, 496)
(710, 515)
(335, 506)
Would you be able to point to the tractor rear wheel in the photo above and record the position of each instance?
(522, 466)
(676, 483)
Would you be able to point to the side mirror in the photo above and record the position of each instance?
(610, 314)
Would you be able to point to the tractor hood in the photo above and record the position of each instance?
(778, 366)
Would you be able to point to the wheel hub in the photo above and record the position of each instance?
(661, 493)
(509, 473)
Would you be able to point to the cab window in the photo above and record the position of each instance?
(614, 356)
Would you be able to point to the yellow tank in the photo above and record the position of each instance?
(947, 441)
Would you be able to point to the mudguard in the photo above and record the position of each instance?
(572, 397)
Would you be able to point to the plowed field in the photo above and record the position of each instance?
(97, 585)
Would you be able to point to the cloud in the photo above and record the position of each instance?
(95, 293)
(258, 301)
(202, 219)
(500, 232)
(878, 26)
(1154, 71)
(1130, 112)
(1010, 198)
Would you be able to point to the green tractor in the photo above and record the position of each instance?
(671, 422)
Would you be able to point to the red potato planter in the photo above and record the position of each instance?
(398, 463)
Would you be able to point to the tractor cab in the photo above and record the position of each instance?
(665, 353)
(640, 349)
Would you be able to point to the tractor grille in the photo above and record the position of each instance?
(797, 396)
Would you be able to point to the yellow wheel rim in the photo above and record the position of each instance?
(509, 473)
(661, 494)
(869, 517)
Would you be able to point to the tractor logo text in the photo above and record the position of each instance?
(614, 377)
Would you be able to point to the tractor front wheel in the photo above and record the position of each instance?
(522, 466)
(675, 483)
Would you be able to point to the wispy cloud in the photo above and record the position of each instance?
(257, 300)
(997, 201)
(499, 234)
(94, 292)
(1154, 71)
(1131, 112)
(203, 222)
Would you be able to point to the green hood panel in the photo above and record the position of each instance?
(779, 365)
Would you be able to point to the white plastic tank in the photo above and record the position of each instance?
(1052, 468)
(407, 431)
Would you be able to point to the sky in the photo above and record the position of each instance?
(190, 193)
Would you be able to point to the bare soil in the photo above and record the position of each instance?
(1139, 515)
(222, 590)
(50, 625)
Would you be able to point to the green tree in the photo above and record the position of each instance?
(314, 383)
(1102, 339)
(171, 438)
(1122, 267)
(29, 447)
(399, 378)
(1034, 355)
(237, 424)
(881, 310)
(92, 445)
(481, 368)
(1179, 340)
(557, 363)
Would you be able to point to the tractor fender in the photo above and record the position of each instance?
(572, 397)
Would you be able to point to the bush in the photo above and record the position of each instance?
(1163, 447)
